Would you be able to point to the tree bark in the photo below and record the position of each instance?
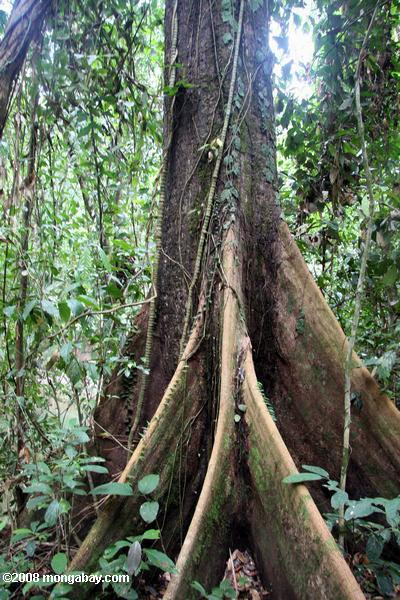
(24, 26)
(257, 314)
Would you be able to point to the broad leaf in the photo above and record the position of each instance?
(148, 484)
(301, 478)
(360, 509)
(59, 562)
(113, 489)
(50, 308)
(160, 560)
(149, 511)
(318, 470)
(339, 499)
(52, 512)
(134, 558)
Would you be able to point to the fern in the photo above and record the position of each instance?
(267, 401)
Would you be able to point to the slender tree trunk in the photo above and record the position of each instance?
(24, 26)
(256, 313)
(28, 192)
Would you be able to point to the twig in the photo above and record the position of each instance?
(233, 572)
(106, 311)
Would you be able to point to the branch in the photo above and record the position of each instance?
(106, 311)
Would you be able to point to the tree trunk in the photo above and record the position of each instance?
(24, 26)
(257, 314)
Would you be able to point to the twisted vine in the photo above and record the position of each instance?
(144, 376)
(213, 185)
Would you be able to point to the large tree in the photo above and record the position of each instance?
(23, 27)
(235, 303)
(234, 308)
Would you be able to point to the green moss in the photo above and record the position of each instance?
(291, 303)
(307, 562)
(244, 138)
(215, 524)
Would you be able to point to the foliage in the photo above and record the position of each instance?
(374, 536)
(51, 486)
(131, 555)
(322, 183)
(48, 485)
(90, 101)
(224, 590)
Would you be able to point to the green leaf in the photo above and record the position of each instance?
(95, 469)
(43, 467)
(59, 562)
(9, 311)
(296, 19)
(20, 534)
(318, 470)
(374, 547)
(88, 301)
(64, 310)
(199, 588)
(50, 308)
(390, 277)
(385, 584)
(93, 459)
(65, 351)
(392, 510)
(151, 534)
(160, 560)
(36, 501)
(76, 307)
(301, 477)
(70, 451)
(38, 487)
(148, 484)
(105, 260)
(114, 290)
(30, 548)
(80, 437)
(124, 245)
(28, 309)
(85, 130)
(113, 489)
(149, 511)
(359, 509)
(134, 558)
(52, 512)
(111, 551)
(339, 499)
